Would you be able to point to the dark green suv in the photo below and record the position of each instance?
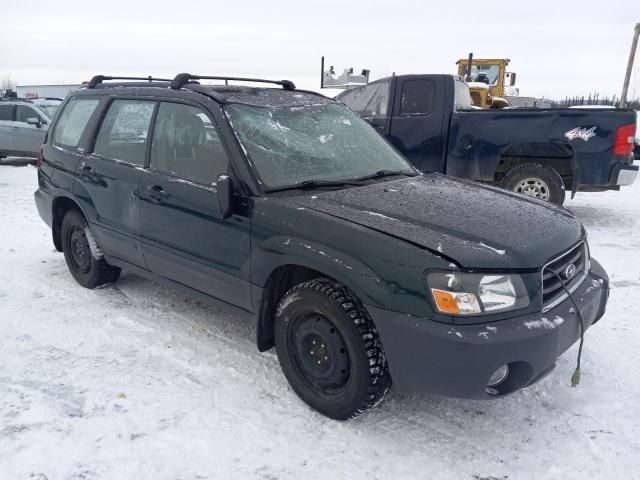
(286, 206)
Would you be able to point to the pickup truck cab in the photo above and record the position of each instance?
(538, 152)
(287, 207)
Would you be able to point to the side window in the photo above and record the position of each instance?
(23, 112)
(417, 97)
(6, 112)
(73, 120)
(124, 130)
(369, 100)
(185, 143)
(347, 97)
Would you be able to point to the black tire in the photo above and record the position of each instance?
(535, 180)
(353, 376)
(88, 271)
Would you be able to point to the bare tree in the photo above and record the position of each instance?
(7, 84)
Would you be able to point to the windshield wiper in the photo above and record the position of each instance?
(385, 173)
(311, 184)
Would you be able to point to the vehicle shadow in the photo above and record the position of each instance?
(17, 161)
(424, 423)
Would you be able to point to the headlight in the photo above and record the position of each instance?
(457, 293)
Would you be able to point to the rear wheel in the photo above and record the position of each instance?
(535, 180)
(329, 349)
(82, 254)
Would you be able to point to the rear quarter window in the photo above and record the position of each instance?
(417, 97)
(72, 121)
(370, 100)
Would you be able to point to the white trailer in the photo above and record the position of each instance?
(45, 91)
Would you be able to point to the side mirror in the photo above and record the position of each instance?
(34, 121)
(225, 195)
(512, 79)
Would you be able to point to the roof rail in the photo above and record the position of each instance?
(183, 79)
(16, 99)
(98, 79)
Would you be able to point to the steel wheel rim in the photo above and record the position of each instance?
(80, 253)
(533, 187)
(319, 353)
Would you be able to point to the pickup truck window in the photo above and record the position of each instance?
(290, 145)
(368, 100)
(417, 97)
(73, 120)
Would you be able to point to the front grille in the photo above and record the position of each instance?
(552, 291)
(476, 98)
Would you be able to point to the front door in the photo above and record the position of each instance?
(28, 138)
(184, 237)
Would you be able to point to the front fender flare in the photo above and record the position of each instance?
(287, 250)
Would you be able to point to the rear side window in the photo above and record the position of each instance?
(185, 143)
(124, 130)
(73, 120)
(6, 112)
(370, 100)
(417, 97)
(23, 113)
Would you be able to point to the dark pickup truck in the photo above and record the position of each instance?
(538, 152)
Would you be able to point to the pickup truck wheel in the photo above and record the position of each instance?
(329, 349)
(535, 180)
(82, 254)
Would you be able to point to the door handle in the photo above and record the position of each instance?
(156, 191)
(88, 170)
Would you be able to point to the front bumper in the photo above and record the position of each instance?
(457, 360)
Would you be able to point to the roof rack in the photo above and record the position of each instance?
(16, 99)
(98, 79)
(183, 79)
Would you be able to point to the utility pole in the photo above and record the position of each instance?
(627, 77)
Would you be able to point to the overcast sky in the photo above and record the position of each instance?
(557, 47)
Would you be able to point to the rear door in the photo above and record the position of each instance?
(184, 237)
(6, 128)
(108, 177)
(417, 122)
(28, 138)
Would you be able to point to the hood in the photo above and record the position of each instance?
(470, 224)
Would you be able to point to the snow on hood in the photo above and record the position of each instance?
(473, 225)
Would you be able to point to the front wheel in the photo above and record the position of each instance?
(82, 254)
(329, 349)
(535, 180)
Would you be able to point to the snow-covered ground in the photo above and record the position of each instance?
(135, 381)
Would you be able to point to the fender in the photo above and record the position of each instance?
(59, 197)
(278, 251)
(290, 251)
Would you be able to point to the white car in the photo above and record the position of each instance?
(24, 124)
